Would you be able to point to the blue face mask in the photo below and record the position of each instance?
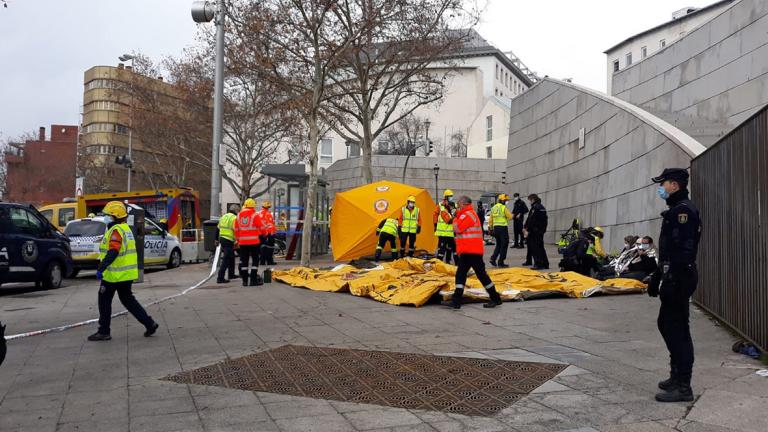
(663, 194)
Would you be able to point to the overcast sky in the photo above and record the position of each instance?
(46, 45)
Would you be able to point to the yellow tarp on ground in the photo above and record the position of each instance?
(357, 212)
(413, 281)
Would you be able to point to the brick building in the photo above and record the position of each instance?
(42, 172)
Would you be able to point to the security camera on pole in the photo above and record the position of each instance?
(203, 12)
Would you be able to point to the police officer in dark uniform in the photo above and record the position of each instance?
(675, 281)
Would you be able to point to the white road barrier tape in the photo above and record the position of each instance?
(95, 320)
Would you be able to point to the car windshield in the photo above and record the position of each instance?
(85, 229)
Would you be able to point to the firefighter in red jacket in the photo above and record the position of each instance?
(469, 245)
(268, 236)
(248, 229)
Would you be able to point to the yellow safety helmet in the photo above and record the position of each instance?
(447, 193)
(411, 198)
(266, 204)
(116, 209)
(91, 215)
(503, 197)
(249, 203)
(163, 220)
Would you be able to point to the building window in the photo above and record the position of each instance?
(121, 129)
(496, 92)
(629, 59)
(643, 52)
(489, 152)
(663, 43)
(100, 83)
(102, 105)
(326, 151)
(489, 128)
(497, 71)
(615, 66)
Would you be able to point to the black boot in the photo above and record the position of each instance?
(244, 276)
(493, 262)
(378, 255)
(255, 278)
(394, 256)
(495, 298)
(455, 301)
(151, 329)
(668, 383)
(680, 392)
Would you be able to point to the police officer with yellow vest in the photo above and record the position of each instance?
(443, 220)
(387, 232)
(499, 224)
(409, 223)
(117, 271)
(227, 242)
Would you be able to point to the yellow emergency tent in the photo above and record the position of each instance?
(357, 212)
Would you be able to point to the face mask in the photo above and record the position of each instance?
(410, 206)
(645, 246)
(108, 220)
(450, 199)
(663, 194)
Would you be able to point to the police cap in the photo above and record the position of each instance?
(679, 175)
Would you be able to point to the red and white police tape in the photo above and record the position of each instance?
(95, 320)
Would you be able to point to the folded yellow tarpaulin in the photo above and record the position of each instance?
(412, 281)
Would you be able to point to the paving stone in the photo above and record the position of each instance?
(167, 423)
(304, 408)
(738, 415)
(381, 418)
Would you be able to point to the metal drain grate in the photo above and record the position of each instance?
(470, 386)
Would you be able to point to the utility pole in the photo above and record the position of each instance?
(204, 11)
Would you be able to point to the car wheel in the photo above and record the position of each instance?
(175, 259)
(54, 274)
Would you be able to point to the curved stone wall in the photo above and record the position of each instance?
(606, 182)
(710, 80)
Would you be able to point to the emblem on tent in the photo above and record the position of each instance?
(381, 205)
(382, 188)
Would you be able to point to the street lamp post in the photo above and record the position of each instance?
(436, 169)
(203, 12)
(129, 164)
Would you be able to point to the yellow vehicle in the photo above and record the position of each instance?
(60, 214)
(176, 209)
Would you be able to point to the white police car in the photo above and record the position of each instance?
(85, 235)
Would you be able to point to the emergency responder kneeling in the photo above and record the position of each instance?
(268, 236)
(117, 271)
(248, 229)
(409, 224)
(227, 241)
(469, 244)
(443, 220)
(387, 232)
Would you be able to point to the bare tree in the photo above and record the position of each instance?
(458, 144)
(294, 45)
(399, 60)
(403, 137)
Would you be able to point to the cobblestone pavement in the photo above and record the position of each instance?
(60, 382)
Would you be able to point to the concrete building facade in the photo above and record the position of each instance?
(43, 171)
(489, 132)
(591, 156)
(638, 47)
(709, 81)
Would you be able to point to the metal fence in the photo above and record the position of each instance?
(727, 180)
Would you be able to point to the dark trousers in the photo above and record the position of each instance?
(537, 251)
(474, 262)
(268, 249)
(411, 239)
(518, 227)
(446, 247)
(227, 258)
(123, 289)
(249, 254)
(385, 238)
(501, 233)
(673, 320)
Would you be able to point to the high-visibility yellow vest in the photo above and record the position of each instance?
(227, 227)
(390, 227)
(410, 220)
(443, 229)
(126, 266)
(499, 215)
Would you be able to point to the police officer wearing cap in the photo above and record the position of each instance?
(675, 281)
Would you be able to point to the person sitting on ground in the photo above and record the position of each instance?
(629, 243)
(576, 256)
(637, 263)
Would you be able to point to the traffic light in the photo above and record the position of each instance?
(124, 160)
(430, 147)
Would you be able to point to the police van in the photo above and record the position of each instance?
(85, 235)
(31, 249)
